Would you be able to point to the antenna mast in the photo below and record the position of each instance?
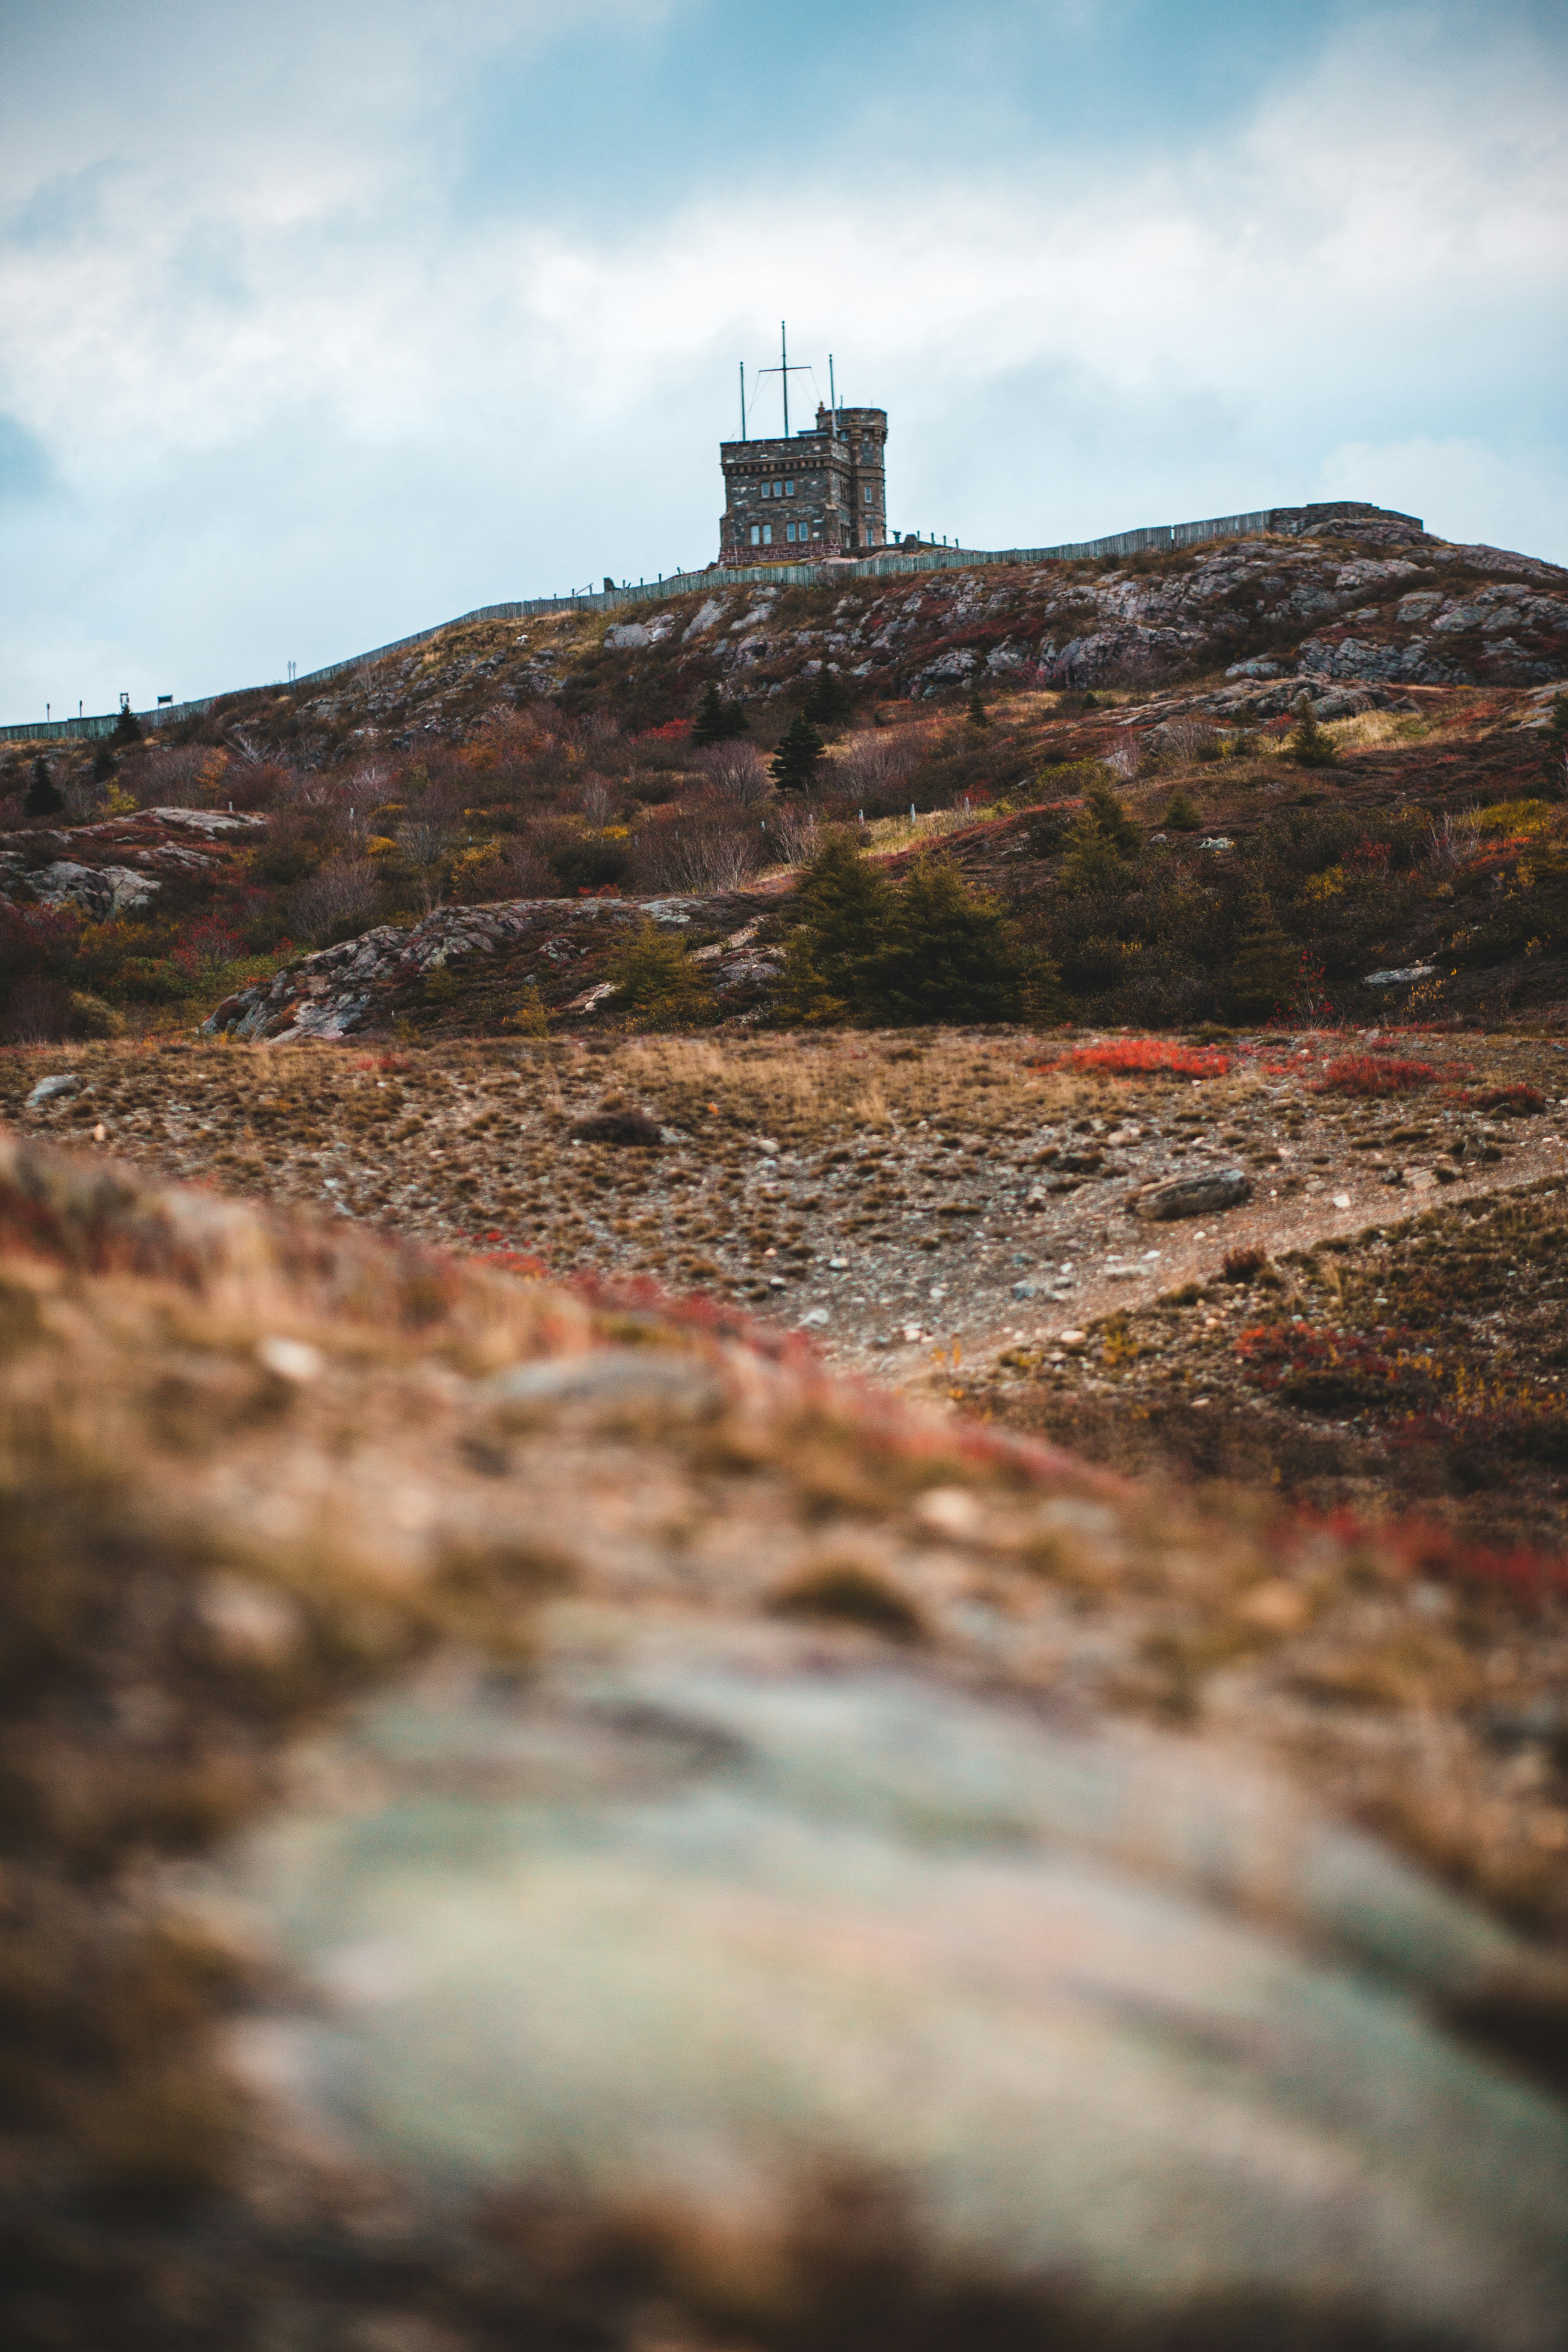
(785, 371)
(832, 396)
(743, 400)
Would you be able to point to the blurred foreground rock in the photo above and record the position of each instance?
(529, 1821)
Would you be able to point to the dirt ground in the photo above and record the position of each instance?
(947, 1213)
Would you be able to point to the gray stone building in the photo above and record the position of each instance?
(821, 492)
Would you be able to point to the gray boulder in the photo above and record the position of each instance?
(699, 1930)
(1192, 1196)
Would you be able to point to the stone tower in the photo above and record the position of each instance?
(821, 492)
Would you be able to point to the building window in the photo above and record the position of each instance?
(867, 494)
(767, 489)
(778, 490)
(767, 534)
(756, 535)
(789, 490)
(789, 530)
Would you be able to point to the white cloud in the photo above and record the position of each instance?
(298, 403)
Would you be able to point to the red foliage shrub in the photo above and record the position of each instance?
(207, 944)
(1375, 1073)
(1133, 1057)
(674, 730)
(1516, 1101)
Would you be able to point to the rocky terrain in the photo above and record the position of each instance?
(530, 1819)
(688, 1683)
(1376, 600)
(125, 864)
(956, 1213)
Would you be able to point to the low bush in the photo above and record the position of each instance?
(1375, 1073)
(1517, 1101)
(1141, 1057)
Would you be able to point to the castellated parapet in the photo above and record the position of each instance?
(821, 491)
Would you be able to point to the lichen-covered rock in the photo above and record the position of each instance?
(1193, 1196)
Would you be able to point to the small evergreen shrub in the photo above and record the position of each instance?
(1182, 816)
(1309, 746)
(718, 720)
(657, 982)
(43, 799)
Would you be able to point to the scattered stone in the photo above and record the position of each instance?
(67, 1082)
(609, 1383)
(291, 1360)
(1192, 1196)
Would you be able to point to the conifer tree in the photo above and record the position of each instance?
(718, 720)
(1263, 969)
(1102, 843)
(709, 724)
(928, 950)
(42, 800)
(798, 759)
(127, 727)
(843, 906)
(978, 714)
(830, 702)
(1309, 747)
(1182, 816)
(948, 954)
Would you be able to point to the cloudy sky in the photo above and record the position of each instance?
(323, 323)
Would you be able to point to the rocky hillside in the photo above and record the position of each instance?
(424, 847)
(1381, 600)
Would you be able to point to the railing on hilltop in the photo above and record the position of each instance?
(889, 563)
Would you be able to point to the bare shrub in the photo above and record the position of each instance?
(1182, 741)
(596, 799)
(794, 833)
(1453, 838)
(340, 897)
(427, 840)
(1123, 756)
(878, 760)
(82, 795)
(173, 777)
(37, 1011)
(369, 784)
(696, 848)
(528, 871)
(737, 772)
